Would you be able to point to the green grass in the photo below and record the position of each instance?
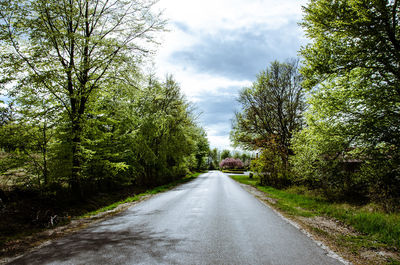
(234, 171)
(375, 226)
(393, 261)
(138, 196)
(245, 179)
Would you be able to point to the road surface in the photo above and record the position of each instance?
(210, 220)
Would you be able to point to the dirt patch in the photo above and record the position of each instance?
(13, 249)
(379, 257)
(328, 225)
(257, 193)
(330, 232)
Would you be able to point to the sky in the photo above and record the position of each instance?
(214, 48)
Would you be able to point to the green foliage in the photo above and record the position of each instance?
(167, 141)
(82, 119)
(323, 153)
(271, 112)
(202, 149)
(348, 35)
(133, 135)
(270, 168)
(25, 137)
(216, 156)
(246, 159)
(383, 177)
(70, 51)
(271, 109)
(225, 154)
(351, 71)
(84, 116)
(214, 159)
(137, 197)
(234, 171)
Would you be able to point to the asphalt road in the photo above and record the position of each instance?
(210, 220)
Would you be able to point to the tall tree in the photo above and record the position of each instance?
(225, 154)
(271, 110)
(166, 139)
(352, 70)
(358, 43)
(72, 47)
(214, 158)
(202, 149)
(353, 34)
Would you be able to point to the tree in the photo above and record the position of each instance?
(351, 69)
(225, 154)
(214, 158)
(72, 47)
(202, 149)
(246, 158)
(166, 142)
(355, 51)
(348, 35)
(325, 156)
(39, 113)
(271, 111)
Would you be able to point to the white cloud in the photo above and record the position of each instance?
(220, 142)
(191, 22)
(213, 15)
(195, 85)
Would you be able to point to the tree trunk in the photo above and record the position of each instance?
(44, 153)
(77, 158)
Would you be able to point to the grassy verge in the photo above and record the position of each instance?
(138, 196)
(376, 228)
(236, 171)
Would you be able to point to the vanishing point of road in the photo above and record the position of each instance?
(210, 220)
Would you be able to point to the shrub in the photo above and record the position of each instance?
(271, 169)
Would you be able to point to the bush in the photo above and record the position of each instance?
(271, 169)
(383, 178)
(327, 163)
(345, 172)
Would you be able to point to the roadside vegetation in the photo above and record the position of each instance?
(330, 122)
(82, 124)
(374, 229)
(228, 161)
(234, 171)
(152, 191)
(327, 124)
(21, 235)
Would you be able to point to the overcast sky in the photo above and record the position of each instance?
(216, 47)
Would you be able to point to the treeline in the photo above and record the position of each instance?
(79, 115)
(131, 136)
(331, 122)
(215, 157)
